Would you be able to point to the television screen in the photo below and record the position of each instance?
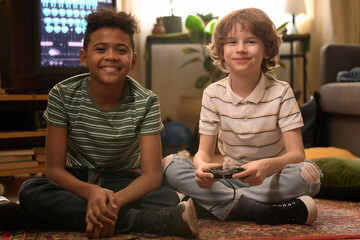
(41, 40)
(62, 27)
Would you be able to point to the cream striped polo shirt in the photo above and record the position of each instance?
(103, 140)
(249, 129)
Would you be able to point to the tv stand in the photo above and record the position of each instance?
(24, 139)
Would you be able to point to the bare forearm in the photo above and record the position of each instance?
(151, 178)
(65, 179)
(141, 186)
(277, 164)
(202, 157)
(294, 151)
(55, 163)
(206, 150)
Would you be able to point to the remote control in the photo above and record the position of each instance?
(224, 172)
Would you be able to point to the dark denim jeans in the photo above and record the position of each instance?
(66, 211)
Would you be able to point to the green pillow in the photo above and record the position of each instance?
(341, 178)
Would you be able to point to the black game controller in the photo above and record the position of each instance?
(224, 172)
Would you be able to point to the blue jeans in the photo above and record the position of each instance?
(66, 211)
(224, 194)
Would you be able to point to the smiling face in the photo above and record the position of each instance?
(243, 52)
(109, 56)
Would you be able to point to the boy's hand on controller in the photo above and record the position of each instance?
(254, 174)
(204, 179)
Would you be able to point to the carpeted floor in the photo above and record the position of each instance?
(336, 220)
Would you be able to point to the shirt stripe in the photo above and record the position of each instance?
(103, 140)
(249, 129)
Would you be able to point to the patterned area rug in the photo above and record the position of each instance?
(336, 220)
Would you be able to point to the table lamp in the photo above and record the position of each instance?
(294, 7)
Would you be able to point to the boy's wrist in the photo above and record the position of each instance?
(119, 200)
(199, 164)
(89, 189)
(198, 160)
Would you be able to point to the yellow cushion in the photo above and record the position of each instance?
(321, 152)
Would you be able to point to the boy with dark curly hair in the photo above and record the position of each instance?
(255, 120)
(103, 150)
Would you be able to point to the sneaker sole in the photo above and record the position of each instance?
(189, 216)
(312, 209)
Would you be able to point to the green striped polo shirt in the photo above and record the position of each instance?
(103, 140)
(251, 128)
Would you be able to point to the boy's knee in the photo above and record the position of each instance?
(30, 188)
(166, 160)
(310, 172)
(174, 165)
(27, 188)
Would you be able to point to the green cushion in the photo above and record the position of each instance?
(341, 178)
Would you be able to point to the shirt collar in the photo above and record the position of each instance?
(255, 96)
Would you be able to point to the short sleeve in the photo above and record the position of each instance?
(209, 120)
(152, 123)
(55, 113)
(289, 117)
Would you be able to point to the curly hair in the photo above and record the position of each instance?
(257, 22)
(107, 17)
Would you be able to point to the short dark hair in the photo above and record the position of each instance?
(107, 17)
(257, 22)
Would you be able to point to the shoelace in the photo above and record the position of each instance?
(146, 233)
(288, 216)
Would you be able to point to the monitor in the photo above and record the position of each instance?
(62, 27)
(41, 41)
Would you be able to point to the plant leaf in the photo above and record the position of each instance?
(210, 26)
(190, 50)
(194, 23)
(208, 64)
(202, 81)
(196, 59)
(282, 28)
(281, 64)
(217, 74)
(197, 37)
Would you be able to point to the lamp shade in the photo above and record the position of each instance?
(295, 6)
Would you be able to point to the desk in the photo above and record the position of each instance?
(184, 39)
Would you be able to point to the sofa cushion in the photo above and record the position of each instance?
(321, 152)
(335, 58)
(341, 98)
(341, 178)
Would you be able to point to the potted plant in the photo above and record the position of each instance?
(199, 32)
(200, 28)
(172, 23)
(159, 27)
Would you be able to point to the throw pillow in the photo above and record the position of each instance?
(313, 131)
(321, 152)
(341, 178)
(349, 76)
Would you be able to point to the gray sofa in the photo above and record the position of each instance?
(340, 101)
